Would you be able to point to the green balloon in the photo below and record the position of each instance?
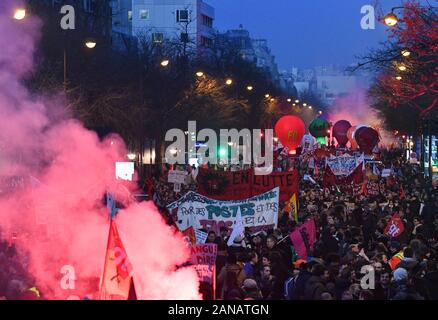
(318, 128)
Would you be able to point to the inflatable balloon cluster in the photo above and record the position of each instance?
(363, 137)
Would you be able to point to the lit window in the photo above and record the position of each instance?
(144, 14)
(130, 15)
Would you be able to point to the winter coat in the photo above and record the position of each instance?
(314, 288)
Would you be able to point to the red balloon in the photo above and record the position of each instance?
(340, 130)
(367, 138)
(290, 130)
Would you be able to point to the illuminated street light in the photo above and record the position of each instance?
(405, 53)
(398, 78)
(165, 63)
(275, 139)
(320, 112)
(310, 107)
(19, 14)
(90, 44)
(402, 67)
(391, 19)
(304, 104)
(272, 99)
(229, 82)
(199, 74)
(289, 100)
(131, 156)
(249, 88)
(294, 104)
(297, 101)
(267, 95)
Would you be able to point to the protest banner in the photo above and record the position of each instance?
(243, 184)
(343, 165)
(177, 176)
(303, 239)
(372, 188)
(203, 259)
(258, 212)
(351, 184)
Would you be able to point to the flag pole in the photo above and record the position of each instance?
(106, 258)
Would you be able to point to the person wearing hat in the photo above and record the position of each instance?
(400, 287)
(251, 290)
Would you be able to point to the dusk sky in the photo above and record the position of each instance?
(305, 33)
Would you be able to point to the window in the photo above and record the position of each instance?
(144, 14)
(207, 21)
(182, 15)
(130, 15)
(206, 42)
(157, 37)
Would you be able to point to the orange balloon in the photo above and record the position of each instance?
(350, 136)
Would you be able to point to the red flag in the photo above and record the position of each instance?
(402, 193)
(117, 281)
(303, 239)
(395, 226)
(190, 234)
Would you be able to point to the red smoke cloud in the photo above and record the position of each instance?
(355, 109)
(58, 214)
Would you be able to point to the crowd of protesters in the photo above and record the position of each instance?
(352, 258)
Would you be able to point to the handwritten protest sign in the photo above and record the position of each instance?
(177, 176)
(203, 259)
(201, 236)
(258, 213)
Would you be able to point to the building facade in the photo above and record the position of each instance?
(187, 21)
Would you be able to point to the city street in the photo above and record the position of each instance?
(219, 150)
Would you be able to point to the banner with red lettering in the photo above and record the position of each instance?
(243, 184)
(203, 259)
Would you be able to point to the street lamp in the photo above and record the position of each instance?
(267, 96)
(90, 44)
(199, 74)
(391, 19)
(320, 112)
(164, 63)
(229, 82)
(19, 14)
(304, 104)
(297, 101)
(398, 78)
(405, 53)
(249, 88)
(402, 67)
(289, 100)
(310, 107)
(272, 99)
